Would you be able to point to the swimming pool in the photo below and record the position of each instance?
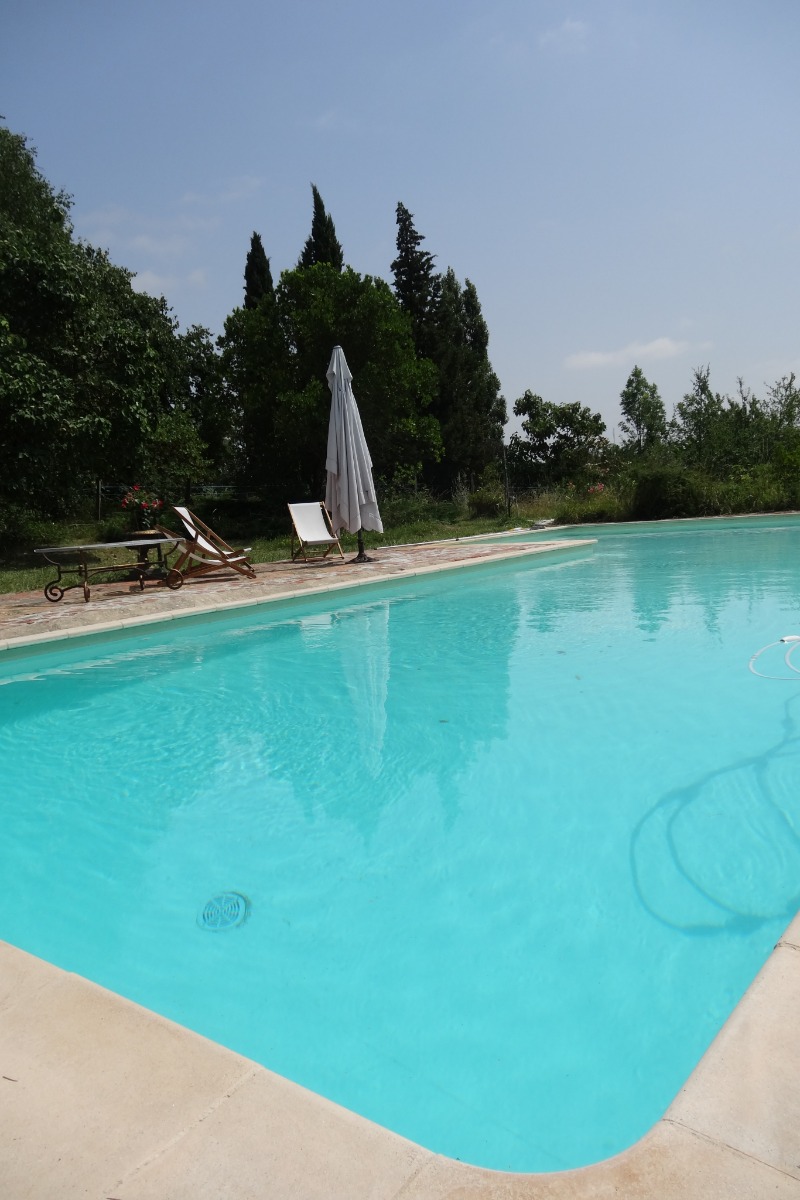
(514, 840)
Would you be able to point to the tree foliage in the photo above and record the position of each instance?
(558, 441)
(257, 274)
(89, 367)
(468, 405)
(321, 307)
(98, 381)
(698, 425)
(416, 284)
(322, 245)
(644, 420)
(716, 434)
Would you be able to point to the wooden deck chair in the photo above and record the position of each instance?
(312, 529)
(202, 551)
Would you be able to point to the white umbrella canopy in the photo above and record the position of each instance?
(350, 492)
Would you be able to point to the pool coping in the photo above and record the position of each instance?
(102, 1098)
(380, 572)
(179, 1116)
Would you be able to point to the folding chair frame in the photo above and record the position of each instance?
(197, 559)
(302, 545)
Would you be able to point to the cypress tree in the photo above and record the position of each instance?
(469, 406)
(322, 245)
(416, 285)
(257, 274)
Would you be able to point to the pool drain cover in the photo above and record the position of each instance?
(224, 911)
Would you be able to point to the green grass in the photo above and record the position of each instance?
(20, 572)
(406, 520)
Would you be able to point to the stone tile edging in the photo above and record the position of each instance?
(111, 1100)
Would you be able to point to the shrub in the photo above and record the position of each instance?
(461, 495)
(398, 507)
(144, 507)
(12, 526)
(592, 503)
(486, 502)
(761, 489)
(671, 491)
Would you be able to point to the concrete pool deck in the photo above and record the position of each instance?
(103, 1099)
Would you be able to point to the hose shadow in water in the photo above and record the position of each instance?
(723, 855)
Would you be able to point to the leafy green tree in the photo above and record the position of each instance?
(257, 274)
(27, 199)
(124, 373)
(322, 245)
(720, 434)
(699, 428)
(63, 338)
(197, 392)
(40, 288)
(39, 277)
(172, 456)
(179, 429)
(644, 422)
(783, 402)
(416, 284)
(88, 365)
(763, 429)
(783, 405)
(558, 442)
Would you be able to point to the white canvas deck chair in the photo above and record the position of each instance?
(312, 529)
(203, 551)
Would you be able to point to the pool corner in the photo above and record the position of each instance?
(177, 1115)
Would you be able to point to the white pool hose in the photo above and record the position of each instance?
(790, 640)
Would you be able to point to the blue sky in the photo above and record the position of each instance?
(618, 178)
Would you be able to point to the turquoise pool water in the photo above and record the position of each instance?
(514, 840)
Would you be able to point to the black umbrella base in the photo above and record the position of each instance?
(361, 556)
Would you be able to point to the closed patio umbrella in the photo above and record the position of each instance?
(350, 492)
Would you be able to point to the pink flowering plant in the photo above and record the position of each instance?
(145, 506)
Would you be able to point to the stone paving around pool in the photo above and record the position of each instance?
(100, 1098)
(28, 616)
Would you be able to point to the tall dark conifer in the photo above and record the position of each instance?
(416, 284)
(322, 245)
(469, 406)
(257, 274)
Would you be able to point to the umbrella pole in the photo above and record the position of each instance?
(362, 555)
